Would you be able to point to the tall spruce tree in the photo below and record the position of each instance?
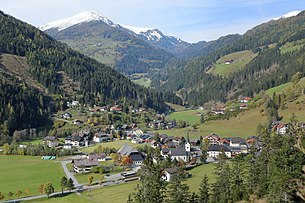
(178, 192)
(203, 193)
(151, 187)
(221, 192)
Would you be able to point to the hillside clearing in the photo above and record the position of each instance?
(232, 62)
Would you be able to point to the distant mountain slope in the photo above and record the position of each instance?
(155, 37)
(98, 37)
(202, 48)
(271, 67)
(50, 62)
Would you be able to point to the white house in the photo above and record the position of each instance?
(215, 150)
(67, 146)
(168, 173)
(50, 141)
(213, 139)
(84, 165)
(101, 137)
(281, 129)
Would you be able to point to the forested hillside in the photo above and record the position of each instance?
(271, 67)
(115, 46)
(52, 63)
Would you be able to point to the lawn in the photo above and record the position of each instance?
(82, 178)
(241, 59)
(190, 116)
(115, 144)
(25, 172)
(198, 174)
(243, 125)
(119, 193)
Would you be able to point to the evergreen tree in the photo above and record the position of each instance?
(221, 192)
(203, 193)
(178, 192)
(151, 187)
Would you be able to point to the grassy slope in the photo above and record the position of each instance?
(278, 89)
(99, 48)
(19, 67)
(190, 116)
(25, 172)
(198, 174)
(176, 107)
(292, 46)
(145, 82)
(241, 59)
(244, 125)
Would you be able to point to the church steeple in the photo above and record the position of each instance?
(187, 143)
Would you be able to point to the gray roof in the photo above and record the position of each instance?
(126, 150)
(178, 152)
(171, 170)
(136, 157)
(85, 162)
(219, 148)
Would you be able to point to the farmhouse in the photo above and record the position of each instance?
(101, 137)
(169, 173)
(132, 153)
(84, 165)
(245, 99)
(212, 139)
(215, 150)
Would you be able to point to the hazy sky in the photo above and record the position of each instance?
(191, 20)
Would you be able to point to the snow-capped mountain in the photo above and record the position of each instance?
(102, 39)
(288, 15)
(151, 34)
(83, 17)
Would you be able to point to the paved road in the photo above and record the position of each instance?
(68, 173)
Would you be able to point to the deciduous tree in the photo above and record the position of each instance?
(48, 189)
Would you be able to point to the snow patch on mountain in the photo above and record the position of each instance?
(87, 16)
(137, 30)
(288, 15)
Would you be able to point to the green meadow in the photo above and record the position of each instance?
(26, 172)
(190, 116)
(119, 193)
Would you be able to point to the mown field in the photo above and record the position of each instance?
(119, 193)
(241, 59)
(190, 116)
(25, 172)
(243, 125)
